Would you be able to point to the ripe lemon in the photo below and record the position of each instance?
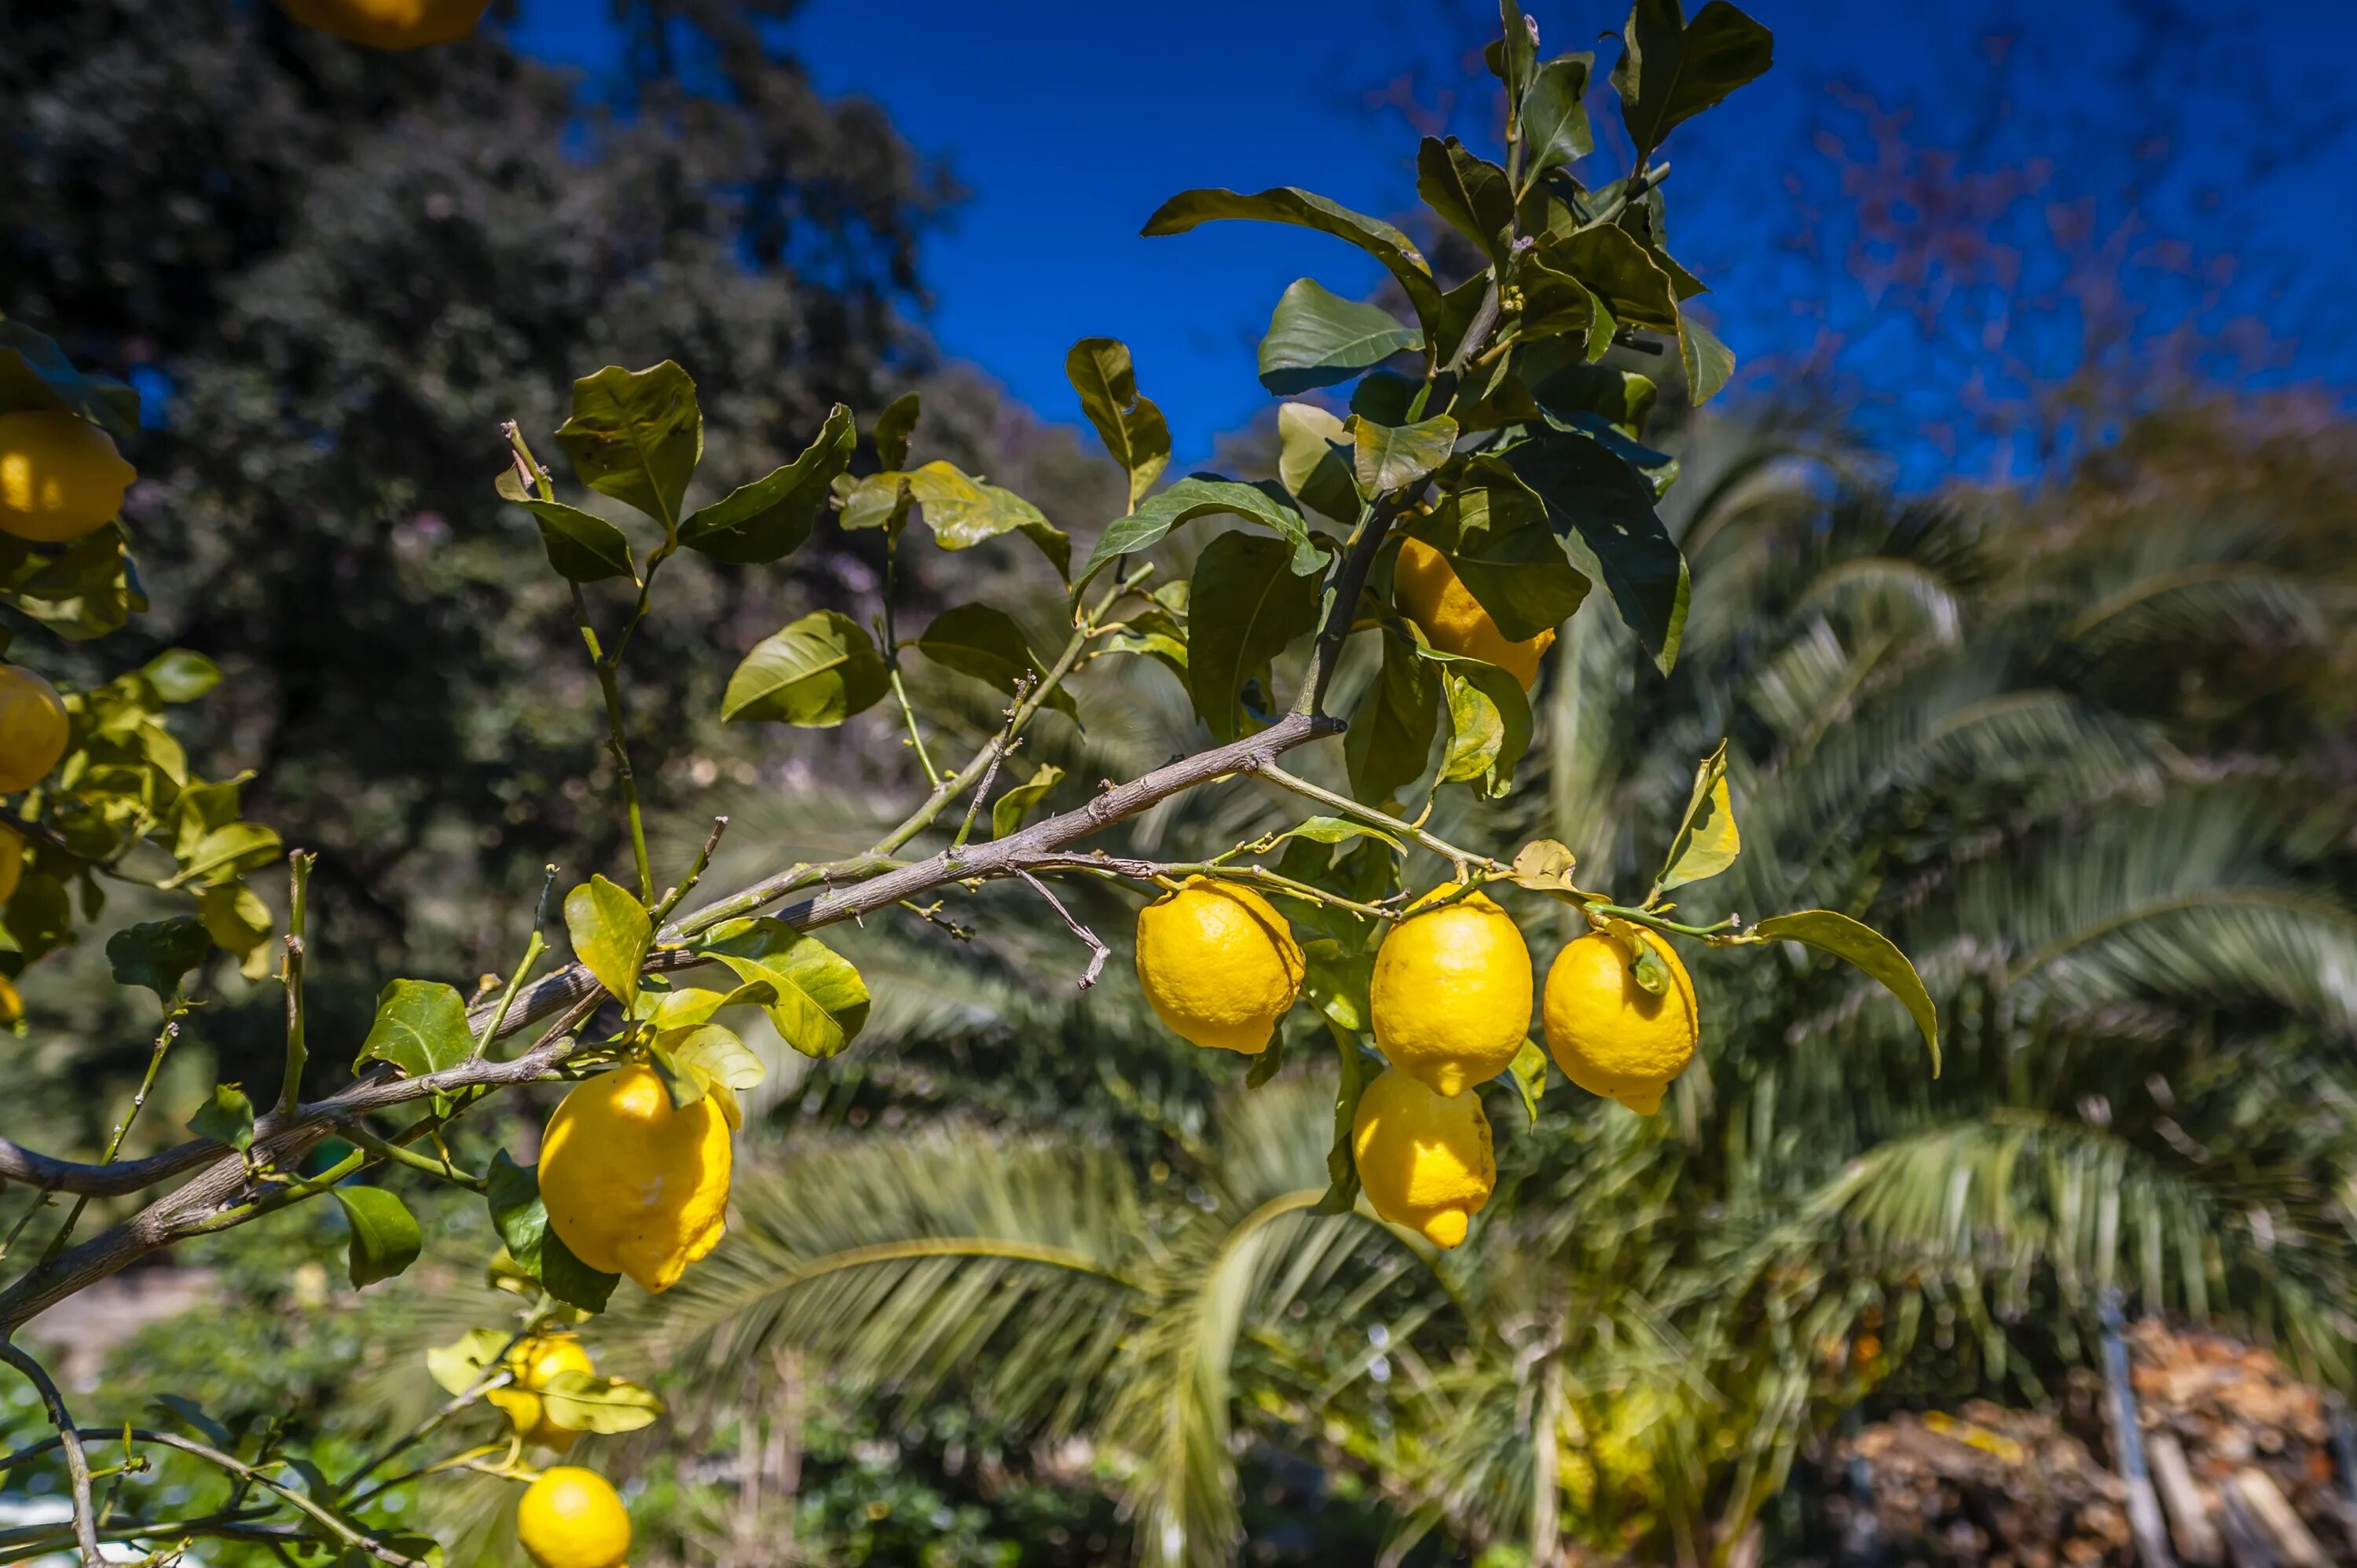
(12, 863)
(1431, 593)
(1608, 1033)
(32, 728)
(1219, 964)
(389, 24)
(535, 1364)
(1451, 995)
(12, 1006)
(60, 476)
(1424, 1158)
(572, 1517)
(632, 1186)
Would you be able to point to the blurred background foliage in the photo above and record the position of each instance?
(1021, 1279)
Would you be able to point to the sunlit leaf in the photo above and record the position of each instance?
(420, 1027)
(770, 518)
(636, 436)
(1132, 428)
(1870, 951)
(814, 673)
(1706, 842)
(611, 932)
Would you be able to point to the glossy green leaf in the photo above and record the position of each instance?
(1204, 495)
(817, 999)
(1671, 72)
(1342, 1169)
(86, 590)
(1246, 606)
(684, 1088)
(157, 954)
(1593, 490)
(517, 1214)
(1390, 738)
(1558, 306)
(1709, 363)
(1132, 428)
(1706, 842)
(636, 436)
(1470, 194)
(718, 1054)
(1495, 534)
(1513, 56)
(582, 547)
(1555, 117)
(1314, 462)
(385, 1238)
(227, 852)
(771, 518)
(1316, 338)
(962, 513)
(1529, 1072)
(226, 1116)
(1391, 457)
(1870, 951)
(884, 500)
(984, 642)
(181, 674)
(570, 1280)
(1007, 812)
(1615, 266)
(1335, 830)
(1488, 725)
(420, 1027)
(815, 672)
(611, 933)
(894, 428)
(1289, 204)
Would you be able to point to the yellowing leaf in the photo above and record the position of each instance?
(611, 934)
(1706, 842)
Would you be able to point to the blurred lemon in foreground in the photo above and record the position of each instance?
(12, 863)
(60, 476)
(1219, 964)
(391, 23)
(535, 1364)
(32, 728)
(572, 1517)
(632, 1185)
(1424, 1159)
(1431, 593)
(1451, 995)
(1608, 1033)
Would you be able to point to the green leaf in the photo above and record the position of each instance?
(1336, 977)
(1390, 738)
(583, 548)
(1244, 608)
(420, 1027)
(1390, 457)
(227, 852)
(817, 999)
(684, 1088)
(226, 1117)
(159, 955)
(517, 1213)
(1708, 362)
(35, 373)
(1317, 338)
(1203, 495)
(1558, 307)
(1469, 193)
(962, 513)
(191, 1414)
(1706, 842)
(460, 1365)
(1488, 725)
(1006, 812)
(385, 1237)
(1266, 1065)
(1611, 262)
(984, 642)
(1514, 54)
(583, 1402)
(1867, 949)
(570, 1280)
(1132, 428)
(1622, 398)
(1529, 1071)
(1342, 1169)
(815, 672)
(771, 518)
(611, 932)
(1313, 459)
(1335, 830)
(894, 426)
(1495, 534)
(882, 501)
(1289, 204)
(1555, 117)
(1592, 489)
(718, 1055)
(84, 591)
(181, 675)
(1670, 72)
(636, 436)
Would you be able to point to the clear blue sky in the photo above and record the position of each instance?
(1069, 122)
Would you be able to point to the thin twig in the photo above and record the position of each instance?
(694, 873)
(1098, 952)
(533, 949)
(68, 1438)
(298, 1051)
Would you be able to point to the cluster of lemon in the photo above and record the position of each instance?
(569, 1517)
(1451, 1006)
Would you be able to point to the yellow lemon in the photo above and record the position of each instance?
(535, 1364)
(632, 1186)
(12, 1006)
(1451, 995)
(60, 476)
(1608, 1033)
(32, 728)
(1431, 593)
(1424, 1158)
(1219, 964)
(389, 24)
(12, 863)
(572, 1517)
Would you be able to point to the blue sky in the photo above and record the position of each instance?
(1069, 122)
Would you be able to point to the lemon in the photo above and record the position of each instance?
(389, 24)
(1219, 964)
(572, 1517)
(32, 728)
(633, 1185)
(60, 476)
(1608, 1033)
(1451, 995)
(12, 1006)
(535, 1364)
(12, 863)
(1424, 1158)
(1431, 593)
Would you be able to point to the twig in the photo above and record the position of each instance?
(1383, 820)
(298, 1051)
(68, 1438)
(1098, 952)
(534, 947)
(694, 873)
(999, 749)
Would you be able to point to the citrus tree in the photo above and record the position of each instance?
(1399, 589)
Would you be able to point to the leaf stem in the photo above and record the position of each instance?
(1384, 820)
(298, 1051)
